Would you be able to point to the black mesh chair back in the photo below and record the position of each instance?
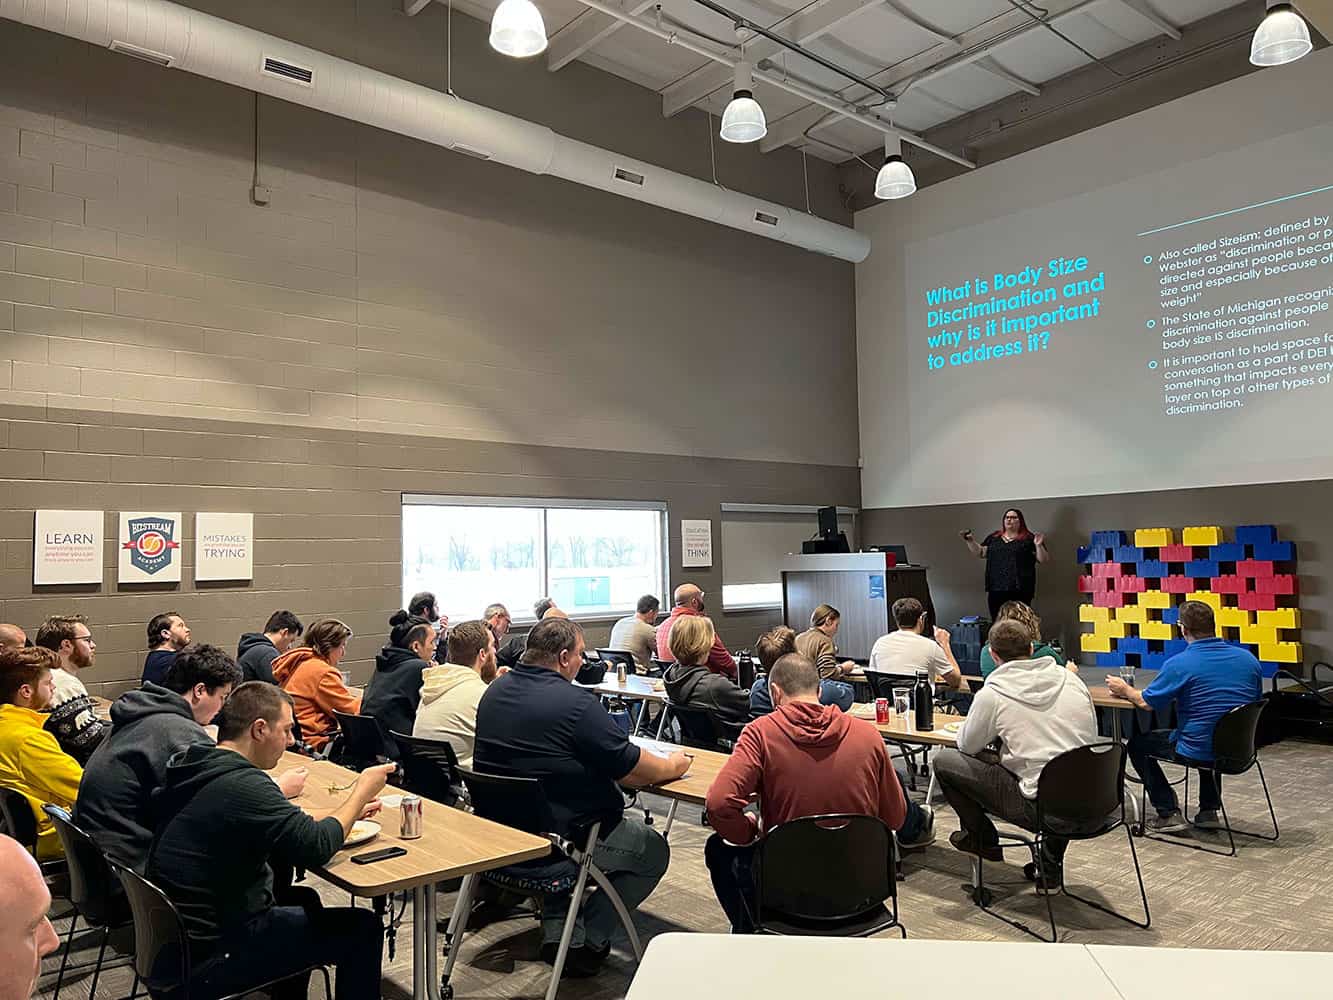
(705, 730)
(592, 672)
(515, 802)
(161, 944)
(824, 870)
(1081, 792)
(93, 889)
(659, 667)
(612, 659)
(20, 823)
(362, 741)
(1235, 738)
(430, 768)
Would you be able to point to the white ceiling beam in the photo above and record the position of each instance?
(1013, 79)
(1141, 8)
(414, 7)
(967, 48)
(802, 29)
(588, 29)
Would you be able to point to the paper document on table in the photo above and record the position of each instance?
(655, 747)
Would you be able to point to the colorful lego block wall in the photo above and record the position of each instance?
(1137, 580)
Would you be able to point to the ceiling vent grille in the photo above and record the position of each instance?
(765, 218)
(628, 176)
(472, 151)
(288, 71)
(139, 52)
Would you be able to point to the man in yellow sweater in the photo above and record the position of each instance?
(30, 758)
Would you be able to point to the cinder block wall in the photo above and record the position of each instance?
(398, 319)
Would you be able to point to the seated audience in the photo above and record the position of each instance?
(424, 605)
(508, 648)
(637, 633)
(804, 759)
(26, 935)
(167, 635)
(148, 726)
(1020, 612)
(31, 760)
(769, 647)
(689, 600)
(256, 651)
(1037, 710)
(310, 675)
(394, 691)
(73, 716)
(222, 824)
(533, 722)
(541, 606)
(12, 637)
(1207, 680)
(816, 643)
(690, 683)
(451, 693)
(907, 649)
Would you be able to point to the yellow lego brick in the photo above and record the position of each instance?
(1117, 630)
(1132, 613)
(1156, 630)
(1092, 613)
(1095, 643)
(1281, 618)
(1201, 536)
(1276, 652)
(1257, 635)
(1238, 618)
(1150, 537)
(1154, 599)
(1214, 601)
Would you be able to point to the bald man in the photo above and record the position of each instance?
(12, 637)
(25, 933)
(689, 600)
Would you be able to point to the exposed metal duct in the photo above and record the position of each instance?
(180, 38)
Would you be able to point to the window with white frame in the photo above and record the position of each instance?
(593, 558)
(756, 539)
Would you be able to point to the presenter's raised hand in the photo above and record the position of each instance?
(1039, 538)
(965, 534)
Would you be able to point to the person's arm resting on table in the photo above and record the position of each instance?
(978, 729)
(604, 749)
(1156, 696)
(731, 791)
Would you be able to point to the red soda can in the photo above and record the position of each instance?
(410, 825)
(881, 711)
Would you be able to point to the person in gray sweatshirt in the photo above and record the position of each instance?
(148, 726)
(1035, 710)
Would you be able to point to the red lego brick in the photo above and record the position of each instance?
(1106, 569)
(1131, 584)
(1175, 553)
(1282, 583)
(1255, 568)
(1178, 584)
(1229, 585)
(1257, 602)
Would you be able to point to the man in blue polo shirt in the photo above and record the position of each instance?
(1207, 680)
(533, 723)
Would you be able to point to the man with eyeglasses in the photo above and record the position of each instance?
(689, 600)
(73, 720)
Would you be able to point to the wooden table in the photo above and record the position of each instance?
(453, 843)
(693, 786)
(101, 707)
(724, 966)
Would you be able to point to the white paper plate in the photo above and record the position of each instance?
(362, 831)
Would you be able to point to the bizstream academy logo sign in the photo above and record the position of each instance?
(151, 542)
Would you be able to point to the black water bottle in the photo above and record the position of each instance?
(923, 702)
(745, 669)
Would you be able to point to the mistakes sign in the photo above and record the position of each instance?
(224, 546)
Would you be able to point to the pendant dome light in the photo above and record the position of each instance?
(895, 179)
(1282, 37)
(743, 121)
(517, 29)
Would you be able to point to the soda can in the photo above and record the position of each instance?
(410, 825)
(881, 711)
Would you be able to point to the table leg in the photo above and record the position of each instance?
(671, 815)
(930, 788)
(458, 923)
(661, 724)
(424, 983)
(1117, 734)
(643, 714)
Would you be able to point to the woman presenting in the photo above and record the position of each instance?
(1011, 555)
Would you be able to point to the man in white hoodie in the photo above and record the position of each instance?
(451, 693)
(1036, 710)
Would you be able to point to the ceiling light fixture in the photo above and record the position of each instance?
(895, 179)
(743, 121)
(1282, 37)
(517, 29)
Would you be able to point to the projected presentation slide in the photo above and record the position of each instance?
(1174, 330)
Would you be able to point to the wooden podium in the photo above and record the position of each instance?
(861, 585)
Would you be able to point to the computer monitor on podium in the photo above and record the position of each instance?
(830, 538)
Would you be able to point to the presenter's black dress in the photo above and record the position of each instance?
(1011, 570)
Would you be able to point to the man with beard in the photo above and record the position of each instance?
(451, 693)
(73, 718)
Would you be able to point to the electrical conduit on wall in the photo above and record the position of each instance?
(181, 38)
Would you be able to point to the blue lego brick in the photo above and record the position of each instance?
(1174, 646)
(1227, 552)
(1154, 661)
(1111, 659)
(1171, 616)
(1275, 552)
(1202, 568)
(1153, 568)
(1127, 554)
(1085, 555)
(1109, 539)
(1132, 645)
(1256, 534)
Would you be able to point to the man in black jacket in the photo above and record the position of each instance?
(148, 726)
(221, 822)
(256, 651)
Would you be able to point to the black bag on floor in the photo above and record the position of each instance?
(1299, 708)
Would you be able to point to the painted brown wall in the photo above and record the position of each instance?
(1300, 511)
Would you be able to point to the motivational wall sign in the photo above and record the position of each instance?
(149, 546)
(696, 543)
(224, 546)
(67, 547)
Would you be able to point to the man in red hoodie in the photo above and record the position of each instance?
(689, 600)
(803, 759)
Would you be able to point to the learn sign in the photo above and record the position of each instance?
(67, 547)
